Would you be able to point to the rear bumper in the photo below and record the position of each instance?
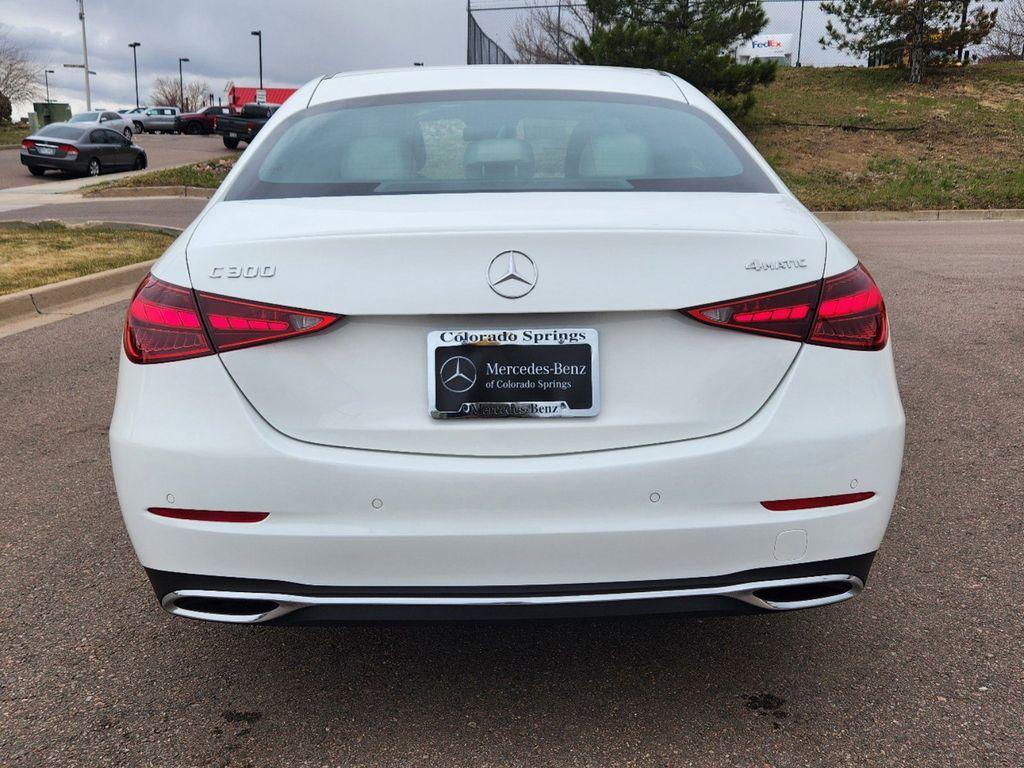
(78, 165)
(183, 436)
(254, 601)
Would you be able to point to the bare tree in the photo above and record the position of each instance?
(1007, 39)
(19, 74)
(166, 91)
(197, 93)
(548, 35)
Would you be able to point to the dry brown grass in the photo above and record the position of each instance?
(954, 142)
(31, 256)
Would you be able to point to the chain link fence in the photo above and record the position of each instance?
(500, 30)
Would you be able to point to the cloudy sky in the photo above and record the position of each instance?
(301, 40)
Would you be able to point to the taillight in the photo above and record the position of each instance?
(232, 323)
(28, 144)
(852, 313)
(841, 311)
(68, 149)
(787, 313)
(166, 322)
(163, 324)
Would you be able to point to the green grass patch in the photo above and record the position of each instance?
(14, 133)
(35, 255)
(207, 174)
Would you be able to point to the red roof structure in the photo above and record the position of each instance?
(240, 95)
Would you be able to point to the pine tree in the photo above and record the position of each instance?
(693, 39)
(923, 27)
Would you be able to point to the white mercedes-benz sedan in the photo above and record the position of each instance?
(493, 342)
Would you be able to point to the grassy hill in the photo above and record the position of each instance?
(847, 138)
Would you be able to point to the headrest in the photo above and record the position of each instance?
(377, 158)
(499, 159)
(616, 155)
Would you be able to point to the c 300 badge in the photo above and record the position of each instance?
(757, 265)
(244, 270)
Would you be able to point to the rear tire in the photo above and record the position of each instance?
(230, 143)
(94, 167)
(194, 128)
(127, 132)
(139, 127)
(140, 162)
(36, 171)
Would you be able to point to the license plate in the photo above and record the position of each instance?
(525, 373)
(233, 135)
(45, 150)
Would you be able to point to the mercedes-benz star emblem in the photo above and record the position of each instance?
(512, 274)
(458, 374)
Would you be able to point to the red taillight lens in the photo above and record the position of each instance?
(233, 323)
(841, 311)
(166, 322)
(163, 324)
(852, 313)
(787, 313)
(28, 143)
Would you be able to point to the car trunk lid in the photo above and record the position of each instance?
(401, 267)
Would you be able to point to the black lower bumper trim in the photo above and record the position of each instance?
(165, 582)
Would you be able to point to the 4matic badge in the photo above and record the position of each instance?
(758, 265)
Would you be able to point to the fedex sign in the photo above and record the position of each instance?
(766, 47)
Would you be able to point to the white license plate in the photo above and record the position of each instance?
(233, 135)
(521, 372)
(46, 150)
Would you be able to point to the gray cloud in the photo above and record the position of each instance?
(301, 40)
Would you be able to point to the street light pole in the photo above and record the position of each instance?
(181, 85)
(85, 56)
(135, 61)
(800, 34)
(46, 77)
(258, 33)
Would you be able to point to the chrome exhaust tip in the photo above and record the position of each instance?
(260, 607)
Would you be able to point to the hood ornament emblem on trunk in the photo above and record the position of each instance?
(512, 274)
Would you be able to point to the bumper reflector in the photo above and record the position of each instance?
(210, 515)
(814, 502)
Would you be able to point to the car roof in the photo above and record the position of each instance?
(644, 82)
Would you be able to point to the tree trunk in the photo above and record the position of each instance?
(917, 51)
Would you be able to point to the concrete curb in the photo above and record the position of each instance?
(952, 214)
(126, 192)
(10, 146)
(49, 299)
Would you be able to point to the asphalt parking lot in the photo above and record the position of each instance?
(926, 668)
(162, 150)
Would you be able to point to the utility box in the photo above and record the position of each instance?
(49, 112)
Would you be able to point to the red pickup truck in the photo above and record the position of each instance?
(204, 121)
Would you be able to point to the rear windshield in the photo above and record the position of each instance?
(86, 117)
(65, 132)
(497, 141)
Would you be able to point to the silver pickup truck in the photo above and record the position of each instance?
(157, 120)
